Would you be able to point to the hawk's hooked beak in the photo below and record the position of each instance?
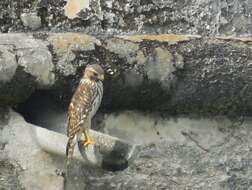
(101, 77)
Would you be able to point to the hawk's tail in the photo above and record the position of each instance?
(70, 149)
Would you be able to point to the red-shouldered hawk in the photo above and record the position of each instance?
(84, 104)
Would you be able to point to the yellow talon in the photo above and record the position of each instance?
(88, 140)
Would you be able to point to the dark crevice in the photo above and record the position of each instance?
(39, 108)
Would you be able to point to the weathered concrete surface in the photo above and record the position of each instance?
(26, 65)
(176, 74)
(176, 153)
(180, 153)
(204, 17)
(29, 167)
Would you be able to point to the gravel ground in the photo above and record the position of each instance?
(207, 17)
(9, 176)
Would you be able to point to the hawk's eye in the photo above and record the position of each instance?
(95, 74)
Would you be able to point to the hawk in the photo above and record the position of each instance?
(84, 105)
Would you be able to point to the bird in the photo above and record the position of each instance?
(83, 106)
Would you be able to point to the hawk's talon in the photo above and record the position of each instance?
(88, 141)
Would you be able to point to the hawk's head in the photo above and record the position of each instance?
(94, 72)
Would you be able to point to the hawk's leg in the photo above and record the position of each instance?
(88, 140)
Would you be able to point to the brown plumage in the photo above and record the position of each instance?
(84, 104)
